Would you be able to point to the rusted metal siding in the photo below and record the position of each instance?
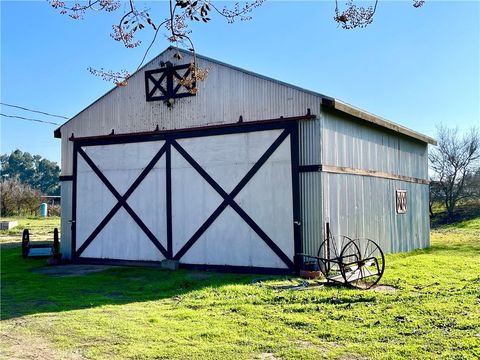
(350, 143)
(362, 206)
(223, 97)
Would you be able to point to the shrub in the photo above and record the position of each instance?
(54, 210)
(17, 198)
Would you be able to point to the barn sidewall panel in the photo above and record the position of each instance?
(310, 155)
(364, 205)
(349, 142)
(66, 216)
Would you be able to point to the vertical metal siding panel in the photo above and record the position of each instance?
(311, 185)
(66, 215)
(349, 143)
(355, 144)
(360, 206)
(311, 212)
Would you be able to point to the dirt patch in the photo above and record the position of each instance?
(16, 347)
(71, 270)
(268, 356)
(385, 289)
(309, 345)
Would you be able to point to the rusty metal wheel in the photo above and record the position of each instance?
(363, 263)
(329, 255)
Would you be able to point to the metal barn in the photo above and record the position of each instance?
(240, 176)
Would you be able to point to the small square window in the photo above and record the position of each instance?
(401, 201)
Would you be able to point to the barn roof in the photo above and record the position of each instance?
(325, 101)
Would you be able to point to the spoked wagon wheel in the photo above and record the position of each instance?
(329, 257)
(363, 263)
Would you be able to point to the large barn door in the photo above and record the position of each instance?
(216, 198)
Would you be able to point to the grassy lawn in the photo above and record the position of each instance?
(40, 229)
(432, 312)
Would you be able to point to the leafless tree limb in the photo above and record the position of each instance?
(180, 13)
(454, 161)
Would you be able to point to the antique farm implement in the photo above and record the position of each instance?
(358, 263)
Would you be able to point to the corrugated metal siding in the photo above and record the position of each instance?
(350, 143)
(310, 153)
(223, 97)
(66, 215)
(311, 211)
(363, 206)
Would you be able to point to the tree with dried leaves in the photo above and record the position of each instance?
(132, 20)
(455, 165)
(17, 198)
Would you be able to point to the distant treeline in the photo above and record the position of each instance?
(24, 179)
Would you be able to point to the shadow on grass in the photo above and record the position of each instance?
(25, 290)
(464, 212)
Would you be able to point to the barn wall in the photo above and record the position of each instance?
(310, 152)
(351, 143)
(223, 97)
(363, 206)
(66, 214)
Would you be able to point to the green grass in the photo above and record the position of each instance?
(39, 228)
(146, 313)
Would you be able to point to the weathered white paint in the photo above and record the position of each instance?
(193, 200)
(123, 163)
(263, 194)
(227, 159)
(229, 240)
(149, 199)
(93, 201)
(121, 238)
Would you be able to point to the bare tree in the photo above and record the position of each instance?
(454, 163)
(17, 198)
(132, 20)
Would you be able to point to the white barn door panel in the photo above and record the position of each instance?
(222, 197)
(120, 210)
(265, 198)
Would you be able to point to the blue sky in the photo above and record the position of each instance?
(417, 67)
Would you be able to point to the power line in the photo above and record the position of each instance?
(35, 111)
(24, 118)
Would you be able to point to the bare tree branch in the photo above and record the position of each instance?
(183, 12)
(454, 163)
